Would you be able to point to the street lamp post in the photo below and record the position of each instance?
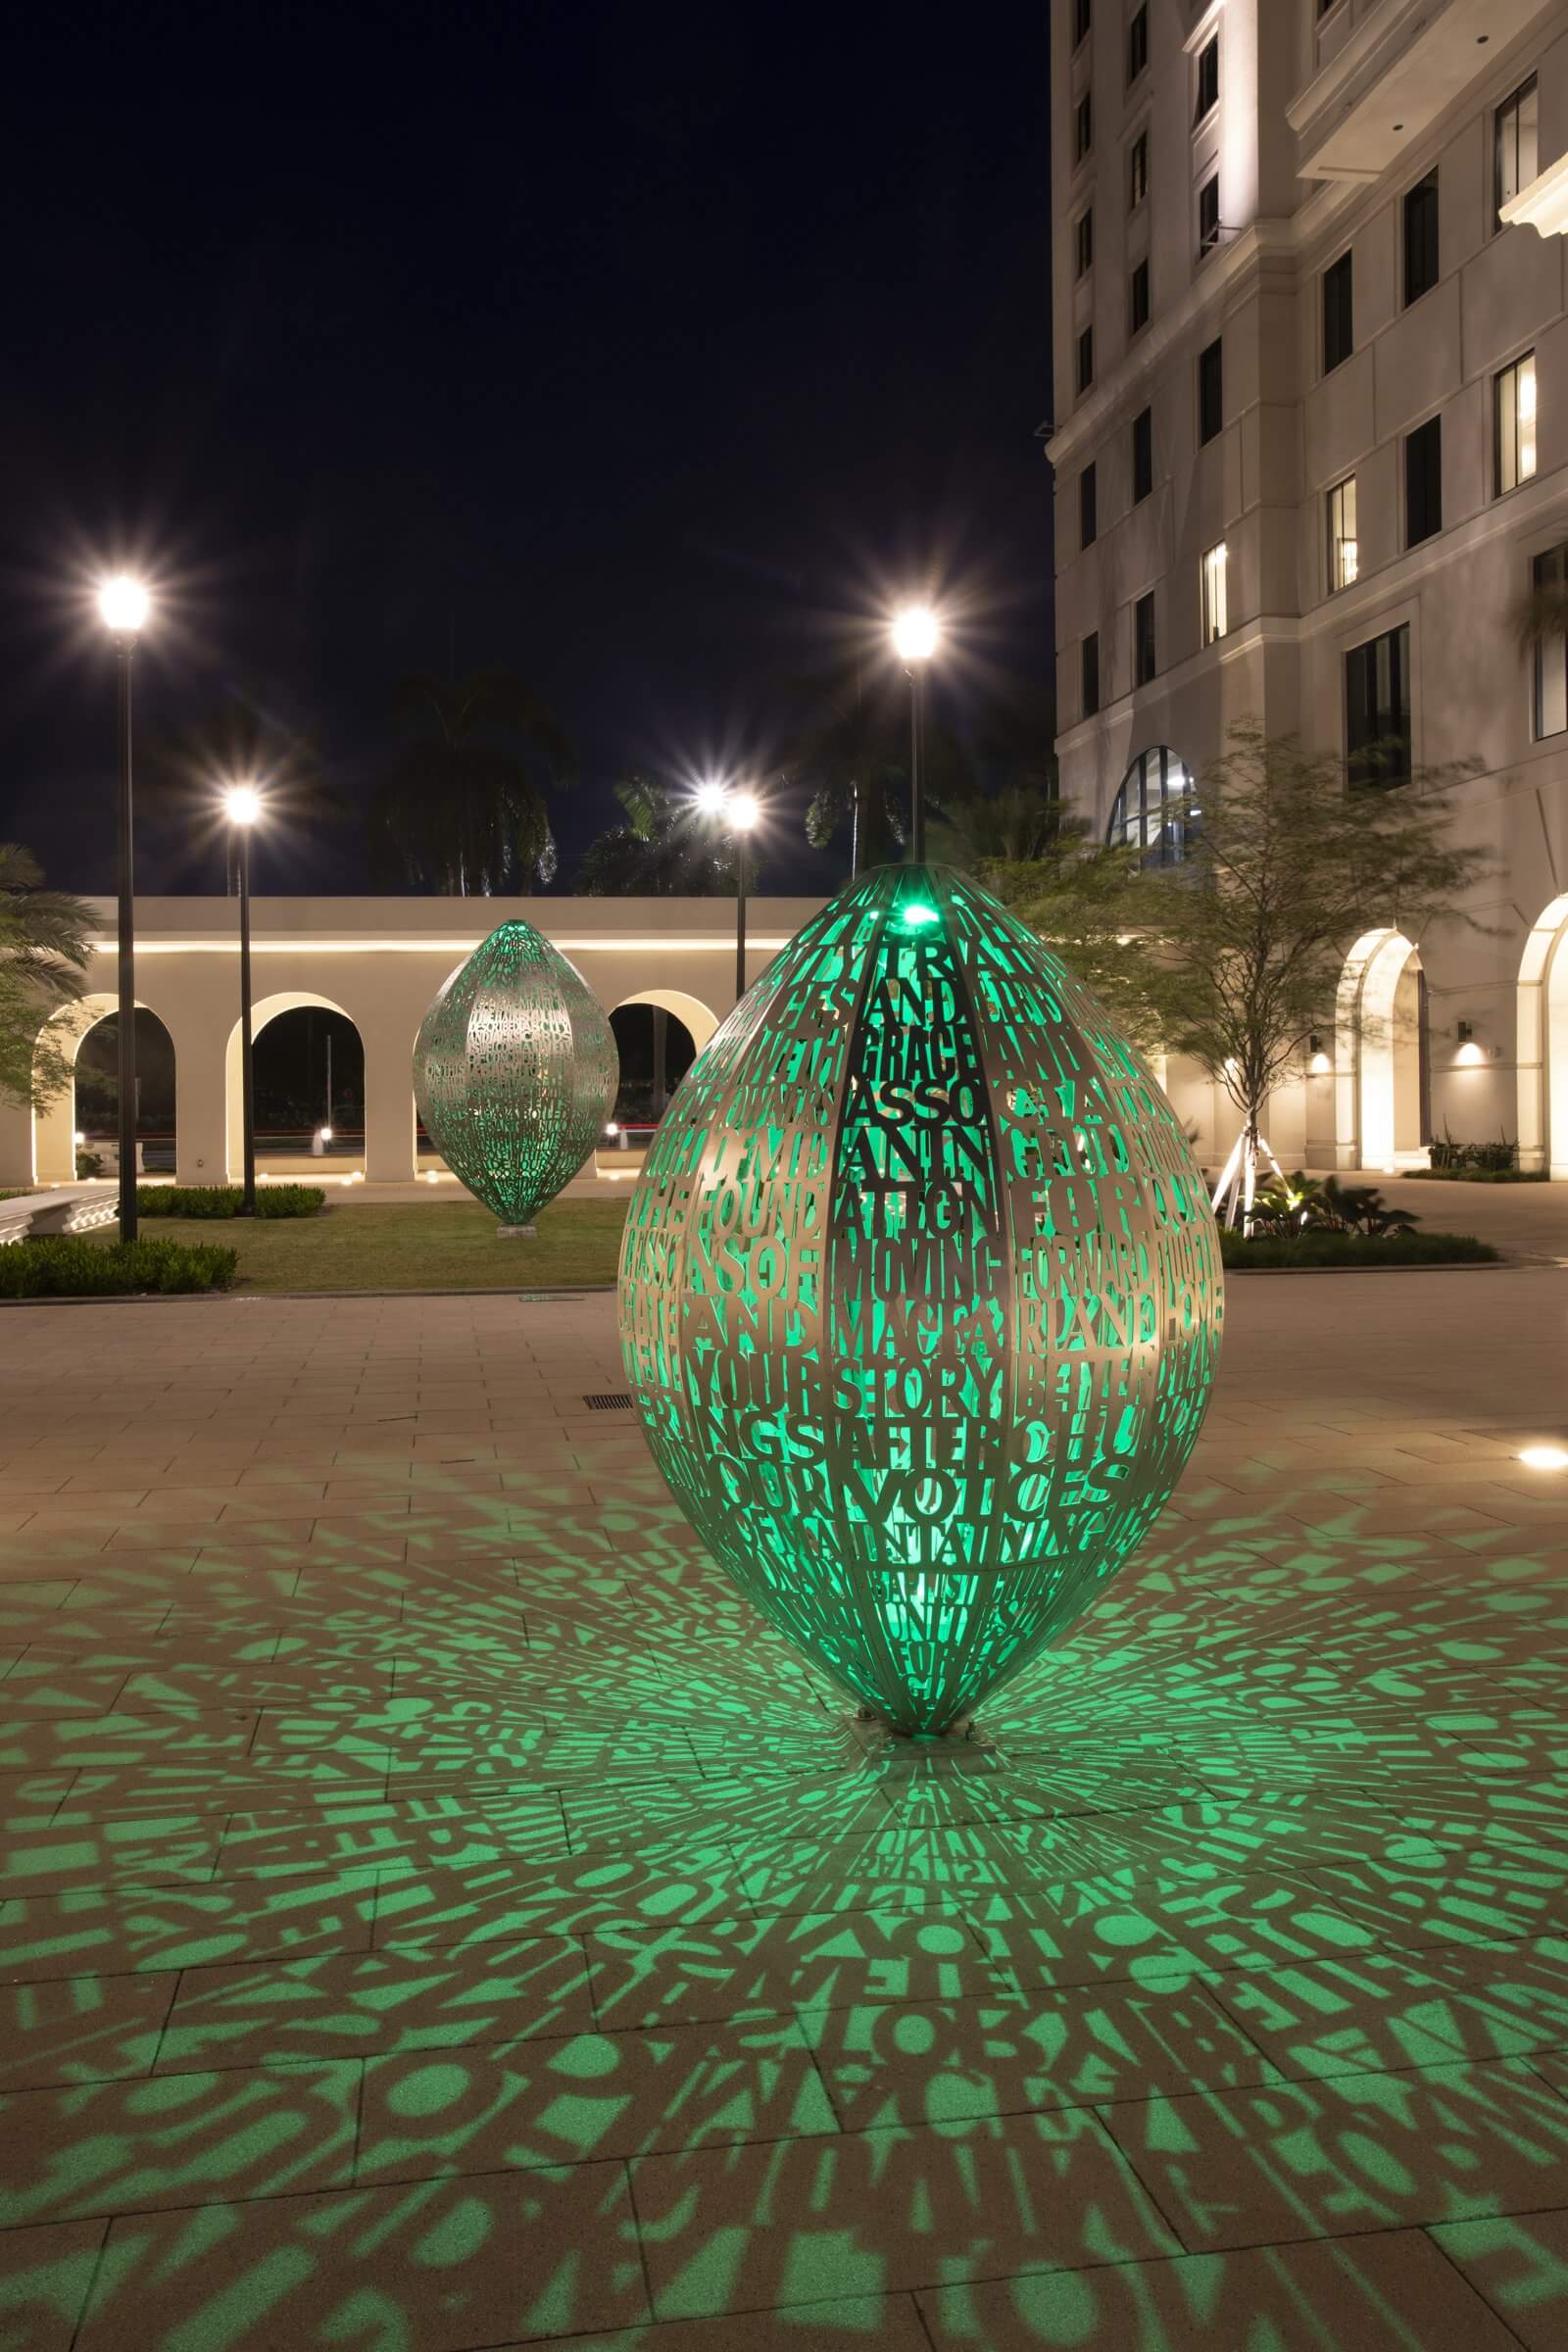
(123, 607)
(242, 805)
(916, 634)
(740, 813)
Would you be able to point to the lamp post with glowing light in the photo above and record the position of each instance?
(740, 813)
(122, 605)
(242, 806)
(916, 634)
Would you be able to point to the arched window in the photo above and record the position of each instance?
(1147, 813)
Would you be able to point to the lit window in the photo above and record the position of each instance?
(1153, 811)
(1516, 423)
(1214, 609)
(1345, 560)
(1549, 579)
(1515, 144)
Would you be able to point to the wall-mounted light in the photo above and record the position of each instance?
(1544, 1458)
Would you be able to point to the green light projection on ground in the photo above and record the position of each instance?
(920, 1295)
(514, 1071)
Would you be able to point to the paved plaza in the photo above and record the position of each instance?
(440, 1915)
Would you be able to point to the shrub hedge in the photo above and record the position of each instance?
(1356, 1250)
(224, 1199)
(73, 1266)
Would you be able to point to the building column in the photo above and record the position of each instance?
(201, 1153)
(16, 1146)
(388, 1106)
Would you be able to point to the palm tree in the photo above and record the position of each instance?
(462, 808)
(853, 753)
(46, 941)
(1019, 825)
(244, 738)
(662, 850)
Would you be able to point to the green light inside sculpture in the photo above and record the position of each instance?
(515, 1072)
(920, 1295)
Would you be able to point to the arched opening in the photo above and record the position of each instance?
(658, 1034)
(1385, 1057)
(87, 1034)
(308, 1064)
(1542, 1015)
(1153, 810)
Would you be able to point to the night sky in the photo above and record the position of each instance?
(643, 352)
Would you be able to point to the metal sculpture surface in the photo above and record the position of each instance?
(920, 1295)
(515, 1072)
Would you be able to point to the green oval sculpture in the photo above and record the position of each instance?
(920, 1295)
(515, 1072)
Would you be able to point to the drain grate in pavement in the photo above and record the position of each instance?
(608, 1401)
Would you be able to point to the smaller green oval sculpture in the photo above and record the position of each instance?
(515, 1072)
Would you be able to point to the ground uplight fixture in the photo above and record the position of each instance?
(1544, 1458)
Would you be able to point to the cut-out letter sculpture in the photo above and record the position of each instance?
(515, 1072)
(920, 1295)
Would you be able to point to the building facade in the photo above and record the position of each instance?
(1310, 442)
(378, 962)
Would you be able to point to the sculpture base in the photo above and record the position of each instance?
(516, 1233)
(882, 1738)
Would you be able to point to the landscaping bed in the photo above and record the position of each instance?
(417, 1245)
(83, 1265)
(208, 1200)
(1272, 1252)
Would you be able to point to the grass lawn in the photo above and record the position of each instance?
(447, 1246)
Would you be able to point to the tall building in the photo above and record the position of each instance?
(1310, 441)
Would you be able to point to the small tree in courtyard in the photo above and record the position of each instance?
(1290, 861)
(46, 941)
(1239, 949)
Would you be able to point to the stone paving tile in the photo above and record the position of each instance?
(804, 2220)
(1520, 2265)
(345, 2004)
(443, 2266)
(555, 2102)
(1390, 2292)
(85, 2029)
(933, 2062)
(760, 1967)
(891, 2322)
(176, 2139)
(44, 2280)
(1359, 2151)
(111, 1930)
